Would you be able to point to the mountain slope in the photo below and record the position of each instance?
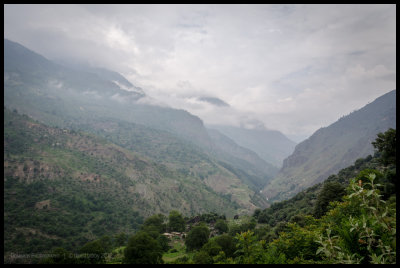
(332, 148)
(270, 145)
(64, 187)
(59, 95)
(95, 100)
(258, 170)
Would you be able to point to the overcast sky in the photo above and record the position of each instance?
(293, 68)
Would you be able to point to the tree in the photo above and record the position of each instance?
(363, 176)
(197, 237)
(154, 223)
(92, 253)
(164, 242)
(227, 244)
(331, 191)
(385, 143)
(106, 243)
(221, 226)
(176, 222)
(202, 257)
(120, 239)
(143, 249)
(250, 251)
(257, 213)
(212, 248)
(59, 256)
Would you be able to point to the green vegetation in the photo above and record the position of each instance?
(80, 209)
(143, 249)
(113, 181)
(176, 223)
(87, 99)
(197, 237)
(386, 146)
(359, 226)
(331, 191)
(64, 188)
(337, 146)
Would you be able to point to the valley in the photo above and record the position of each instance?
(85, 159)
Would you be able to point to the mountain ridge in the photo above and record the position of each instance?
(334, 147)
(65, 98)
(271, 145)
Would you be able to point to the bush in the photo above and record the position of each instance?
(155, 222)
(331, 191)
(176, 222)
(221, 226)
(59, 256)
(143, 249)
(227, 244)
(202, 257)
(197, 237)
(368, 236)
(212, 248)
(92, 253)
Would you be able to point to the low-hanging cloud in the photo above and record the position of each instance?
(295, 68)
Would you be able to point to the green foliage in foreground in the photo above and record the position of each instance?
(357, 228)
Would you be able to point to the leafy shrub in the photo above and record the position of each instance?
(197, 237)
(143, 249)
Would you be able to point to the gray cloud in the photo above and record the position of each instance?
(294, 68)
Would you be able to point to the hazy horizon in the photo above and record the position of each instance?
(291, 68)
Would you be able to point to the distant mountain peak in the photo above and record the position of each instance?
(271, 145)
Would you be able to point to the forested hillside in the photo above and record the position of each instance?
(93, 174)
(64, 187)
(95, 100)
(348, 219)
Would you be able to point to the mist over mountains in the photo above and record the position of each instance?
(199, 134)
(84, 141)
(270, 145)
(104, 103)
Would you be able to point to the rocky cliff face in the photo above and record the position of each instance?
(334, 147)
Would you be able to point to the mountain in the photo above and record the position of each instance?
(270, 145)
(102, 72)
(61, 96)
(334, 147)
(95, 101)
(258, 171)
(64, 187)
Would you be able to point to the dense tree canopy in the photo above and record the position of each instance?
(92, 253)
(221, 226)
(143, 249)
(197, 237)
(331, 191)
(385, 144)
(176, 222)
(155, 223)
